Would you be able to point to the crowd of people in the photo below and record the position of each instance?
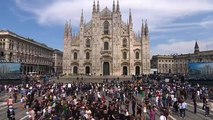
(106, 100)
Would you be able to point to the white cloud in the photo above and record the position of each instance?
(158, 12)
(161, 15)
(174, 27)
(181, 46)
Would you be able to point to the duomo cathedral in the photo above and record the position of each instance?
(106, 45)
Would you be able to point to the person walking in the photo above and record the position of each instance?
(133, 106)
(204, 102)
(207, 107)
(183, 109)
(162, 116)
(152, 113)
(10, 101)
(194, 98)
(32, 114)
(11, 113)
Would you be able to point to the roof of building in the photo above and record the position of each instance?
(209, 52)
(58, 51)
(7, 32)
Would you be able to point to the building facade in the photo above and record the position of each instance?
(163, 63)
(33, 56)
(106, 45)
(179, 63)
(58, 60)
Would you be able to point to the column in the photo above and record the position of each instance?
(7, 53)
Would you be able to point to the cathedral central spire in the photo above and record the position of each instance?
(94, 7)
(130, 17)
(113, 6)
(142, 29)
(82, 18)
(118, 7)
(98, 7)
(146, 28)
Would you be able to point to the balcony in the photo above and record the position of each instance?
(106, 52)
(125, 60)
(137, 60)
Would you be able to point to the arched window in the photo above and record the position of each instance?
(87, 43)
(124, 55)
(2, 54)
(87, 56)
(106, 46)
(75, 56)
(106, 28)
(124, 42)
(137, 55)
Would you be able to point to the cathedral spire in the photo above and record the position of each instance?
(113, 6)
(66, 30)
(98, 7)
(130, 17)
(69, 29)
(142, 29)
(82, 17)
(146, 28)
(196, 48)
(118, 6)
(94, 7)
(138, 34)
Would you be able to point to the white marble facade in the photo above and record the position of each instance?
(106, 45)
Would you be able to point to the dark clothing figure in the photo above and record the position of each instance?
(194, 101)
(175, 105)
(204, 103)
(133, 107)
(11, 113)
(15, 97)
(195, 106)
(207, 107)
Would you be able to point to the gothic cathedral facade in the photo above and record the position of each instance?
(106, 45)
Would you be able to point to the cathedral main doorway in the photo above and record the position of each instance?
(75, 70)
(106, 68)
(137, 70)
(124, 70)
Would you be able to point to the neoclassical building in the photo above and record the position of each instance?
(180, 63)
(33, 56)
(106, 45)
(57, 62)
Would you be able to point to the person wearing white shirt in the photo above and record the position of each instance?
(183, 107)
(162, 117)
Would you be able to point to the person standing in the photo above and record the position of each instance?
(10, 101)
(32, 114)
(183, 109)
(194, 98)
(204, 102)
(11, 113)
(133, 106)
(207, 107)
(162, 116)
(152, 113)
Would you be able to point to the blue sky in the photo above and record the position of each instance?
(174, 25)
